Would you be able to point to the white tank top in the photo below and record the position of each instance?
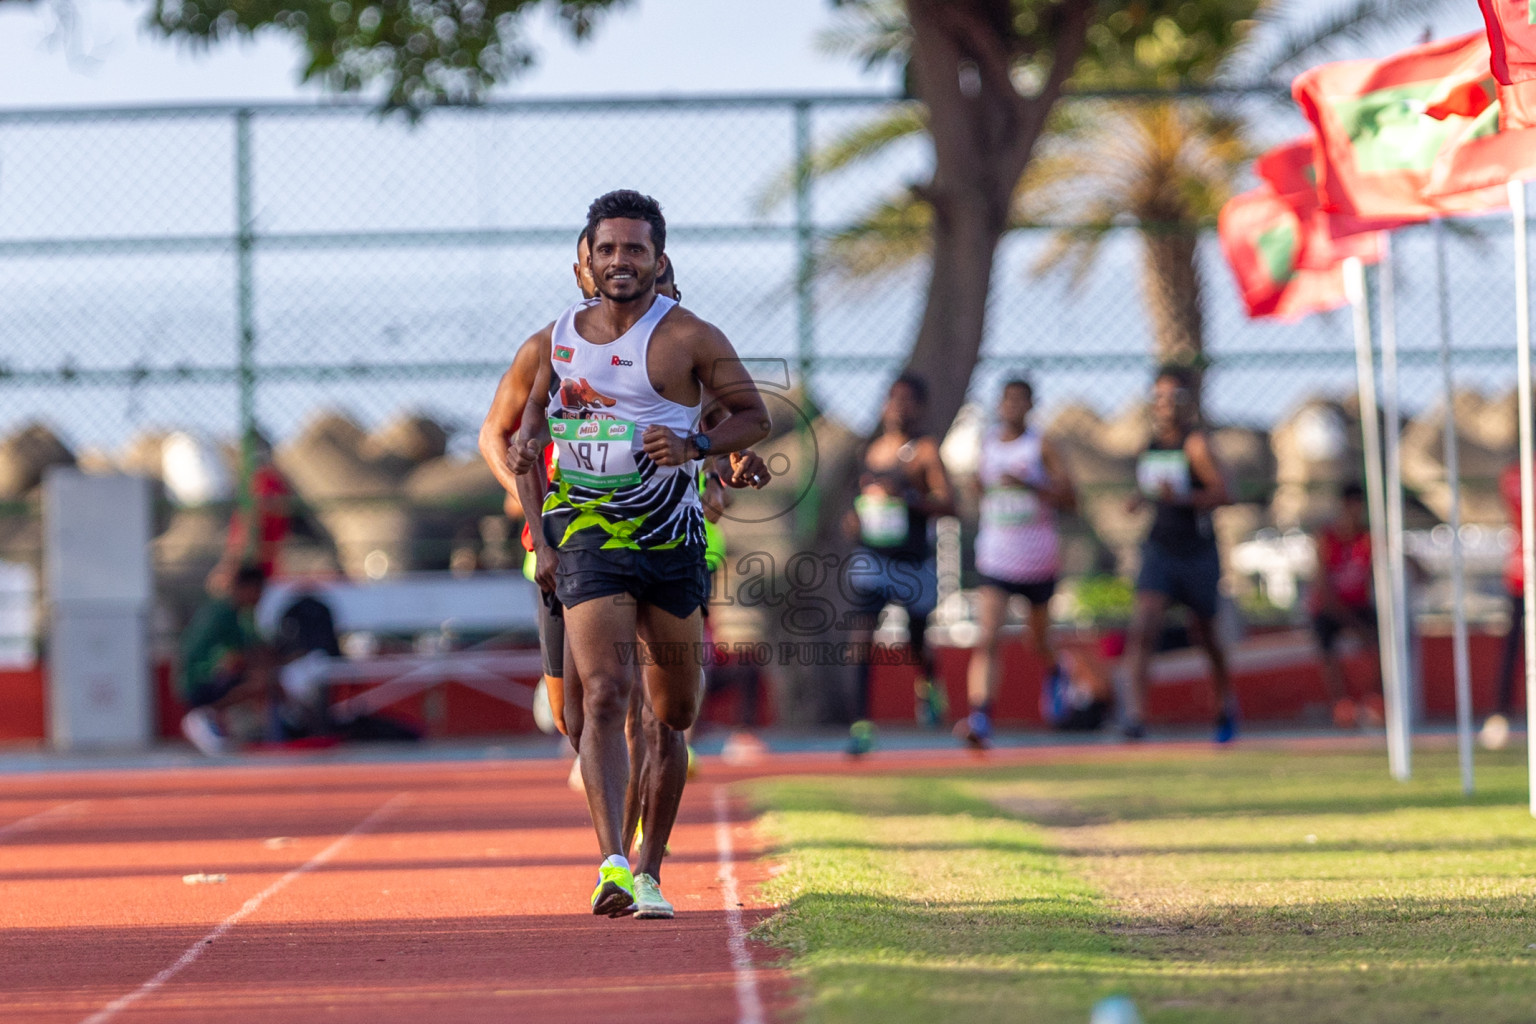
(607, 492)
(1017, 541)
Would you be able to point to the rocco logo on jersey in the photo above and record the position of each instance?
(622, 362)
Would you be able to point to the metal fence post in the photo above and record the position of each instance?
(245, 244)
(805, 310)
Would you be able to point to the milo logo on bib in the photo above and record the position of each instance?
(596, 453)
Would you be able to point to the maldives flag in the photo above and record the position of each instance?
(1511, 39)
(1378, 145)
(1291, 170)
(1495, 149)
(1264, 241)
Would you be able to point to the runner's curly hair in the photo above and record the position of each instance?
(627, 204)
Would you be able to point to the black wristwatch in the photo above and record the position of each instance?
(701, 444)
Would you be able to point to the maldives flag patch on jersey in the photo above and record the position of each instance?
(564, 354)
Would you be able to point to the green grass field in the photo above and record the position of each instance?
(1233, 886)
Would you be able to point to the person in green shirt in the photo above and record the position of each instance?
(223, 660)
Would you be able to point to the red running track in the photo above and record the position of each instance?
(392, 892)
(377, 893)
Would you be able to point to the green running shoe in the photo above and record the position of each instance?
(932, 703)
(615, 892)
(861, 738)
(650, 904)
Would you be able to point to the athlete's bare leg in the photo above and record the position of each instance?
(635, 737)
(606, 676)
(672, 685)
(981, 681)
(571, 698)
(1146, 628)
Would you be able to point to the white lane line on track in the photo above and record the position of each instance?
(33, 822)
(749, 1004)
(197, 949)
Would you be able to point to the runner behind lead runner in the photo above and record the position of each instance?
(496, 433)
(628, 371)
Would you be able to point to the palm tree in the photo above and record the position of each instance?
(1165, 166)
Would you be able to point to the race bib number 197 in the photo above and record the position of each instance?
(596, 453)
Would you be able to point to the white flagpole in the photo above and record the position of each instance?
(1370, 436)
(1399, 718)
(1527, 485)
(1462, 660)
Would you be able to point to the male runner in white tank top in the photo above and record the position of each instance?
(619, 389)
(1024, 483)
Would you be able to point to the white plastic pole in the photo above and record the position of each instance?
(1462, 661)
(1527, 485)
(1370, 436)
(1399, 717)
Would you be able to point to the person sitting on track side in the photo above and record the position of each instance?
(224, 661)
(626, 518)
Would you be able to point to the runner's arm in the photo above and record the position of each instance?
(1061, 493)
(533, 431)
(721, 372)
(940, 497)
(506, 413)
(1202, 459)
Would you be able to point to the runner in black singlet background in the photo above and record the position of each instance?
(903, 487)
(1179, 475)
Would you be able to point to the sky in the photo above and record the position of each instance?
(93, 178)
(649, 47)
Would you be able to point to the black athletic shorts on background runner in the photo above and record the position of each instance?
(676, 581)
(1038, 592)
(552, 635)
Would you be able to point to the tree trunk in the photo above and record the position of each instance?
(1171, 280)
(1171, 283)
(983, 133)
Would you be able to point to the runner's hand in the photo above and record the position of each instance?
(664, 447)
(523, 455)
(545, 559)
(748, 470)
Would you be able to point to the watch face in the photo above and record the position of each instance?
(701, 442)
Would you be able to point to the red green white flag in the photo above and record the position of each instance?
(1291, 170)
(1511, 39)
(1264, 242)
(1379, 146)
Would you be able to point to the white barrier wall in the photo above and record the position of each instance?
(96, 533)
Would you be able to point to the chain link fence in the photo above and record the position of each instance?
(351, 287)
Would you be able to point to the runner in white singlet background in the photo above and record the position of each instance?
(1024, 483)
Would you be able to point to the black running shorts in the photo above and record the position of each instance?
(552, 635)
(676, 581)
